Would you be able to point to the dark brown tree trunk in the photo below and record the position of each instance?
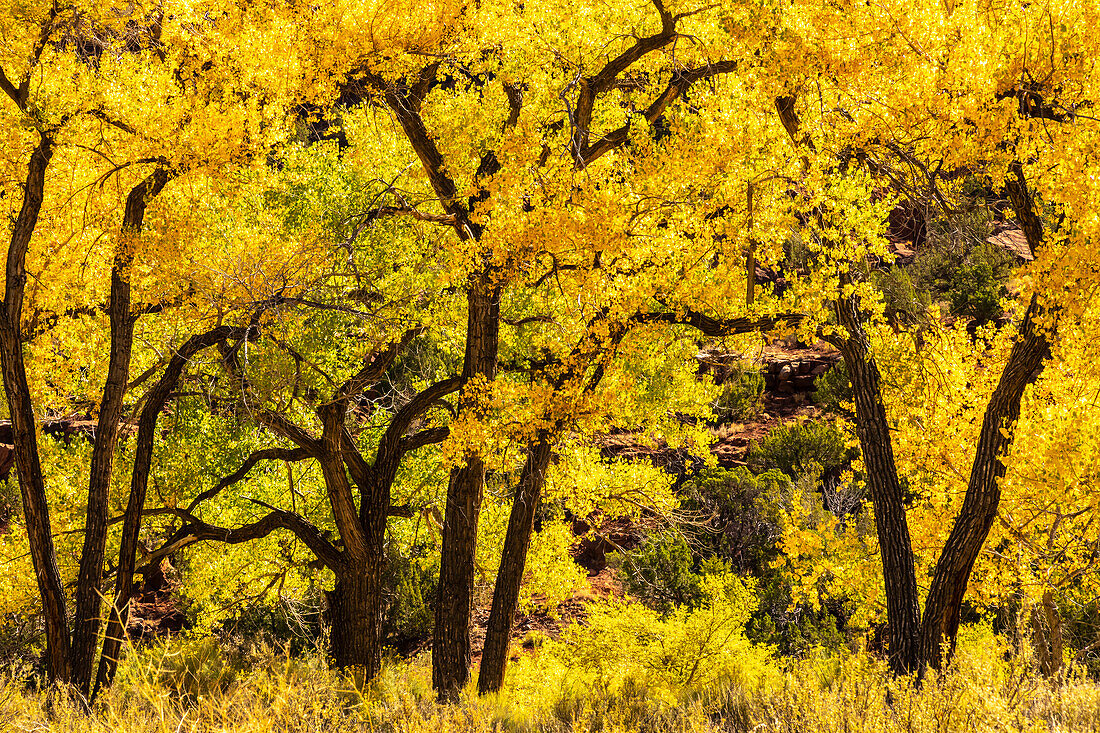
(135, 505)
(31, 485)
(355, 616)
(895, 547)
(521, 522)
(89, 592)
(451, 654)
(983, 492)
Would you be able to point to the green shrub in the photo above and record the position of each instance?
(960, 268)
(791, 447)
(741, 525)
(904, 304)
(833, 388)
(742, 395)
(660, 572)
(412, 590)
(976, 291)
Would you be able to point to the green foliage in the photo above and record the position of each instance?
(958, 266)
(660, 572)
(413, 590)
(742, 395)
(976, 291)
(904, 304)
(797, 629)
(792, 447)
(833, 389)
(739, 508)
(291, 625)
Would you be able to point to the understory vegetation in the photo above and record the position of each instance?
(199, 686)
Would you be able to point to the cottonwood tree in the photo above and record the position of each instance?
(525, 164)
(358, 490)
(91, 154)
(1019, 128)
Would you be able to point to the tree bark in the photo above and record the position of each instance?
(86, 619)
(139, 482)
(31, 484)
(895, 546)
(983, 492)
(451, 653)
(517, 540)
(355, 615)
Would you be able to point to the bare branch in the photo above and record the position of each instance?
(196, 530)
(422, 438)
(267, 454)
(416, 407)
(376, 365)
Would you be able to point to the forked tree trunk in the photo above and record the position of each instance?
(513, 559)
(89, 591)
(135, 505)
(451, 653)
(983, 492)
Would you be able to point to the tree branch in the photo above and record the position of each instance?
(266, 454)
(680, 82)
(422, 438)
(376, 365)
(718, 327)
(196, 530)
(415, 407)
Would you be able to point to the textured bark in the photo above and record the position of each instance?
(31, 485)
(517, 540)
(887, 497)
(983, 492)
(341, 500)
(451, 654)
(355, 615)
(89, 592)
(139, 482)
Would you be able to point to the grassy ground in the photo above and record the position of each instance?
(195, 687)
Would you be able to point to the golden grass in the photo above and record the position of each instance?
(192, 687)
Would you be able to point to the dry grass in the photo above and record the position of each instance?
(193, 688)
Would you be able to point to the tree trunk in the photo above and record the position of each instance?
(89, 592)
(521, 521)
(895, 547)
(451, 654)
(1046, 631)
(35, 504)
(355, 616)
(139, 482)
(983, 493)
